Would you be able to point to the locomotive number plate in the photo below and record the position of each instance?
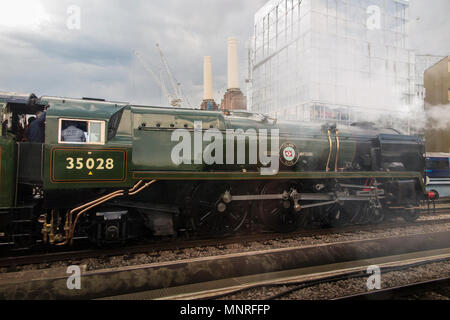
(88, 165)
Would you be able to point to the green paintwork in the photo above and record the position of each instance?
(88, 165)
(152, 131)
(81, 109)
(7, 171)
(153, 128)
(75, 109)
(56, 174)
(145, 134)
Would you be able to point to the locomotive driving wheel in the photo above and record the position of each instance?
(211, 215)
(377, 215)
(337, 216)
(279, 215)
(410, 214)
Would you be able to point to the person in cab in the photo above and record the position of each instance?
(73, 134)
(36, 130)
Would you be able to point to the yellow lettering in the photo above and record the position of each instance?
(109, 164)
(79, 164)
(70, 166)
(90, 164)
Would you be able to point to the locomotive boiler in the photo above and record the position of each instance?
(144, 171)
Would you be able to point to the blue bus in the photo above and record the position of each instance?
(438, 173)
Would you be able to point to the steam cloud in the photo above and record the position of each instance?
(438, 117)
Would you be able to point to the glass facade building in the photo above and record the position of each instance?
(338, 60)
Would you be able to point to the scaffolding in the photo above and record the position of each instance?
(338, 60)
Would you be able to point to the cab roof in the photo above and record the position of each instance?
(81, 108)
(19, 98)
(21, 103)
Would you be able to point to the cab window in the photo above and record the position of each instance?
(72, 131)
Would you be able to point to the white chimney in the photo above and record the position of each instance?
(207, 79)
(233, 71)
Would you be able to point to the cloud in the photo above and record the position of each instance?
(98, 61)
(429, 27)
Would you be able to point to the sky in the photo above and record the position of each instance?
(82, 48)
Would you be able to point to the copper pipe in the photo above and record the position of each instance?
(135, 186)
(142, 188)
(82, 207)
(86, 205)
(101, 198)
(92, 202)
(72, 231)
(97, 200)
(331, 150)
(338, 147)
(95, 203)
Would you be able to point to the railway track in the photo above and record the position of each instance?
(192, 278)
(440, 210)
(71, 255)
(437, 207)
(409, 291)
(319, 275)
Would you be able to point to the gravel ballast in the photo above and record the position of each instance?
(343, 288)
(296, 241)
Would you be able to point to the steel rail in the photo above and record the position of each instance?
(14, 261)
(400, 291)
(295, 279)
(198, 272)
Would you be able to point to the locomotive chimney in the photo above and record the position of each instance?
(208, 99)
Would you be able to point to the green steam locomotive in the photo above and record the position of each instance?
(111, 171)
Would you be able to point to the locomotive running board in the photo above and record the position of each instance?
(254, 175)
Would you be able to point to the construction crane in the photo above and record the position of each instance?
(174, 84)
(173, 98)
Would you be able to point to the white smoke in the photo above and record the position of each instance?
(438, 117)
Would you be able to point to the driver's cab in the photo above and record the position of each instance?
(17, 111)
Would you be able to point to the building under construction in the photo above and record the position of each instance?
(331, 60)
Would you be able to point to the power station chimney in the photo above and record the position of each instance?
(233, 99)
(207, 79)
(233, 67)
(208, 99)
